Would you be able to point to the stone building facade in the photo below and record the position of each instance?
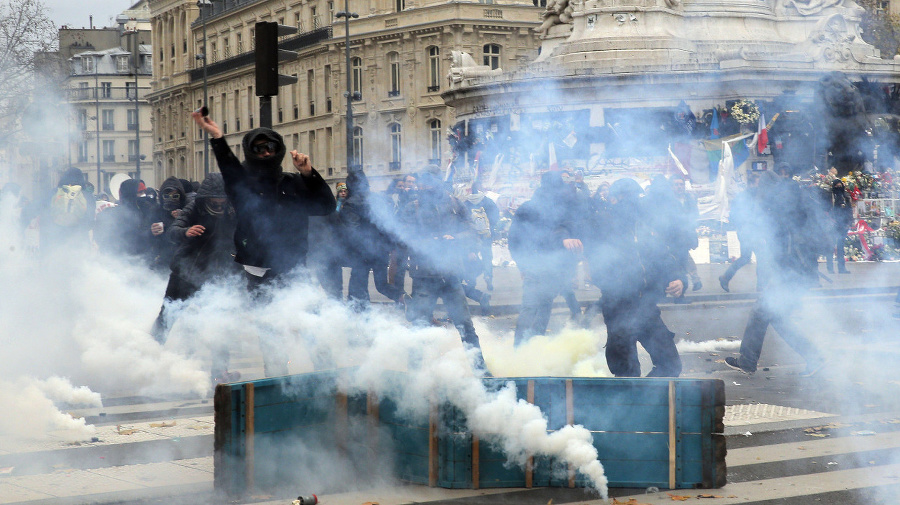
(109, 124)
(400, 58)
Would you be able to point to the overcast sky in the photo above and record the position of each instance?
(77, 14)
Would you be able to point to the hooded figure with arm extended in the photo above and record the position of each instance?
(272, 210)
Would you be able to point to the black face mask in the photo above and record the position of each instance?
(271, 147)
(171, 200)
(215, 208)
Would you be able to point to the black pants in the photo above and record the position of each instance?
(179, 289)
(741, 262)
(358, 289)
(633, 321)
(778, 312)
(272, 345)
(538, 292)
(425, 293)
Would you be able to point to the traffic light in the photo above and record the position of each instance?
(268, 55)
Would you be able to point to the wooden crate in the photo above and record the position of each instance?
(648, 432)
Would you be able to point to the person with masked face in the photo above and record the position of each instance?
(172, 200)
(127, 228)
(545, 241)
(635, 269)
(68, 215)
(204, 234)
(272, 209)
(438, 234)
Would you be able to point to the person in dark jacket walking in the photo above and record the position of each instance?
(204, 236)
(272, 209)
(841, 213)
(365, 217)
(788, 229)
(545, 241)
(635, 268)
(438, 230)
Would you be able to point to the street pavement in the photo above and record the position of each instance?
(830, 439)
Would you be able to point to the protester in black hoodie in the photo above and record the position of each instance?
(635, 267)
(126, 228)
(204, 234)
(272, 209)
(363, 218)
(173, 199)
(67, 215)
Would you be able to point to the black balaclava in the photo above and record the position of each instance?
(72, 176)
(128, 192)
(263, 167)
(169, 185)
(213, 186)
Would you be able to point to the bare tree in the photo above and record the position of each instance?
(26, 33)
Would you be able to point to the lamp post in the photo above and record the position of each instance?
(346, 14)
(201, 4)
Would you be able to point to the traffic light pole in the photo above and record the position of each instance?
(265, 111)
(268, 55)
(346, 14)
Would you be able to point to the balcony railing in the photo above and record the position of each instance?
(132, 126)
(393, 93)
(109, 158)
(105, 94)
(394, 166)
(432, 89)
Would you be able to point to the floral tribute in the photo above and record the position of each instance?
(745, 112)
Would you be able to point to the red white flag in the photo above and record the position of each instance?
(762, 135)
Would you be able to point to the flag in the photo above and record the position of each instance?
(739, 152)
(714, 124)
(762, 135)
(553, 164)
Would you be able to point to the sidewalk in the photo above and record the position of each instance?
(865, 278)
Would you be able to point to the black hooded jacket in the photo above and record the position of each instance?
(197, 259)
(125, 228)
(272, 207)
(63, 237)
(365, 220)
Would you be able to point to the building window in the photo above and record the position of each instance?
(105, 90)
(356, 63)
(213, 52)
(87, 64)
(492, 56)
(130, 90)
(434, 128)
(315, 17)
(394, 65)
(326, 80)
(84, 91)
(311, 91)
(240, 42)
(82, 119)
(358, 146)
(226, 48)
(132, 119)
(132, 150)
(109, 151)
(122, 63)
(298, 22)
(82, 151)
(395, 148)
(108, 123)
(399, 5)
(539, 3)
(330, 12)
(434, 69)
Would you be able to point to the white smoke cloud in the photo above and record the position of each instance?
(32, 413)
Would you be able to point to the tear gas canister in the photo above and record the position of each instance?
(306, 500)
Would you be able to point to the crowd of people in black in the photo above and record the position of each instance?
(255, 220)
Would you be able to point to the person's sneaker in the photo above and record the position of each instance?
(724, 283)
(735, 363)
